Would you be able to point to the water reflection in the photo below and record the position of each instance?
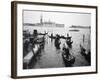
(51, 57)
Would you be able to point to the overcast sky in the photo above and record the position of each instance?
(67, 18)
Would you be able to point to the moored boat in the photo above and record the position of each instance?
(83, 50)
(69, 43)
(85, 53)
(68, 58)
(53, 37)
(57, 42)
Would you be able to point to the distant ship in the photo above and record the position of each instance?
(74, 30)
(83, 27)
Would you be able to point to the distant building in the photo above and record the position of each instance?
(45, 24)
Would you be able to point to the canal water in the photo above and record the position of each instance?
(50, 57)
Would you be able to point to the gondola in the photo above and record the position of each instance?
(69, 43)
(36, 49)
(86, 54)
(68, 59)
(41, 41)
(83, 50)
(52, 37)
(63, 37)
(57, 43)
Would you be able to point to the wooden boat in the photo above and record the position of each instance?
(83, 50)
(27, 60)
(57, 43)
(42, 33)
(68, 37)
(53, 37)
(38, 44)
(69, 42)
(63, 37)
(68, 59)
(36, 49)
(86, 54)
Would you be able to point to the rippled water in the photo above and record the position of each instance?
(50, 57)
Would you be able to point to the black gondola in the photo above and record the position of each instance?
(69, 43)
(53, 37)
(57, 42)
(83, 50)
(63, 37)
(86, 54)
(67, 57)
(57, 45)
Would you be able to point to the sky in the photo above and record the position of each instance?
(66, 18)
